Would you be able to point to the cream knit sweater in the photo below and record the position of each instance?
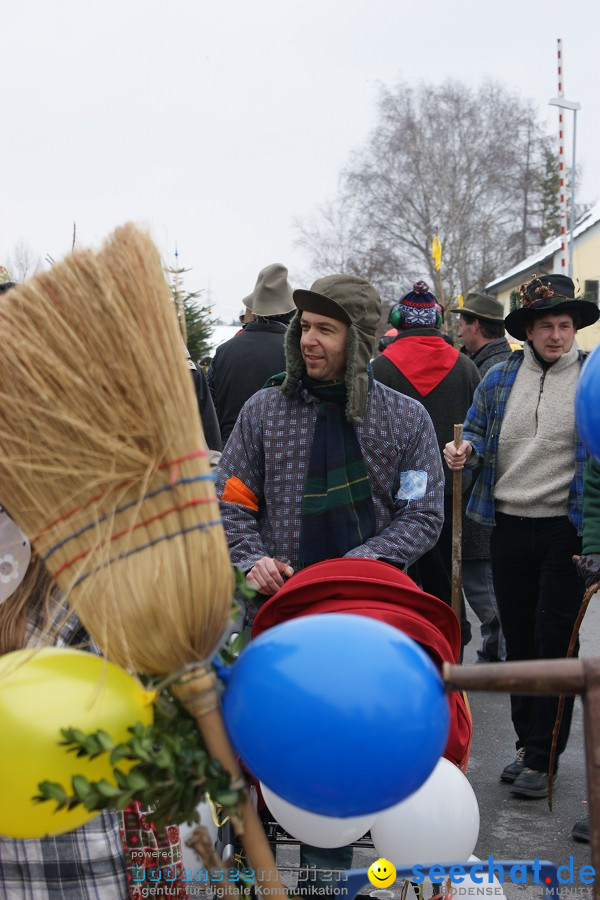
(536, 447)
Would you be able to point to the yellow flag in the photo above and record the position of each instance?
(461, 300)
(436, 252)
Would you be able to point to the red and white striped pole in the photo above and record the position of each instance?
(562, 169)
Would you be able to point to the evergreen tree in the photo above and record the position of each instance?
(549, 186)
(195, 319)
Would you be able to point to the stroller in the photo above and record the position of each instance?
(378, 590)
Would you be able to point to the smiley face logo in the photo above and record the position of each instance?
(382, 873)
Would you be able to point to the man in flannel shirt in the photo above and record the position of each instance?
(521, 431)
(326, 462)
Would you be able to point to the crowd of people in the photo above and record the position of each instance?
(323, 451)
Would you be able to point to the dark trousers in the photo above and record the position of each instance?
(317, 869)
(539, 594)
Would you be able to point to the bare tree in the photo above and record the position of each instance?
(23, 262)
(463, 164)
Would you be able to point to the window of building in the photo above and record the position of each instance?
(591, 290)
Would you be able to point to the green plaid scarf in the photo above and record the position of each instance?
(337, 506)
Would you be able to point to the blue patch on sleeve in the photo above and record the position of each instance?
(413, 485)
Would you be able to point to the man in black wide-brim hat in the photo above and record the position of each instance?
(521, 430)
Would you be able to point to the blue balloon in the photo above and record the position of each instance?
(339, 714)
(587, 404)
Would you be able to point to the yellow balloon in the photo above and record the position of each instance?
(40, 693)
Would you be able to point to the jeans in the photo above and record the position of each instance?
(539, 594)
(478, 587)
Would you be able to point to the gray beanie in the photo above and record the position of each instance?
(349, 299)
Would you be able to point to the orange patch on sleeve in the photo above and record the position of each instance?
(237, 492)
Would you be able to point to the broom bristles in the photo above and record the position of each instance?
(102, 457)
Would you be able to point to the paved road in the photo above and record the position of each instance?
(513, 828)
(526, 829)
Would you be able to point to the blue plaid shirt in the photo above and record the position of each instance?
(267, 455)
(482, 429)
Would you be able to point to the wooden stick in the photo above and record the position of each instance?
(538, 676)
(457, 530)
(561, 700)
(197, 692)
(200, 841)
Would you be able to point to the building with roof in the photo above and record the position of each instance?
(586, 269)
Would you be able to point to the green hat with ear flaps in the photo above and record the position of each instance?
(350, 299)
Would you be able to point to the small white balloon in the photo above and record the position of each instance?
(438, 823)
(313, 828)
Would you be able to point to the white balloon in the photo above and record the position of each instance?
(438, 823)
(312, 828)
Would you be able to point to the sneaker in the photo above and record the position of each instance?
(531, 783)
(581, 831)
(514, 769)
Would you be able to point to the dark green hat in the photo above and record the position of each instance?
(482, 306)
(350, 299)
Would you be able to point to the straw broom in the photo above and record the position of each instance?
(103, 464)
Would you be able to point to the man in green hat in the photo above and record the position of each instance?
(326, 463)
(481, 330)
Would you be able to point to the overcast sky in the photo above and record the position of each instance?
(215, 123)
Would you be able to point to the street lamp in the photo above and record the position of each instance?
(569, 104)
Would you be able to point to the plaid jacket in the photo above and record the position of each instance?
(261, 476)
(84, 864)
(482, 428)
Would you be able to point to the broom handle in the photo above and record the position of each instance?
(457, 530)
(197, 692)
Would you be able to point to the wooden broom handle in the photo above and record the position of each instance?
(198, 693)
(457, 530)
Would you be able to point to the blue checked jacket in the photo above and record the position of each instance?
(482, 429)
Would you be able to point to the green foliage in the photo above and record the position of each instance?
(514, 300)
(234, 646)
(171, 769)
(171, 766)
(242, 586)
(236, 642)
(549, 196)
(198, 324)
